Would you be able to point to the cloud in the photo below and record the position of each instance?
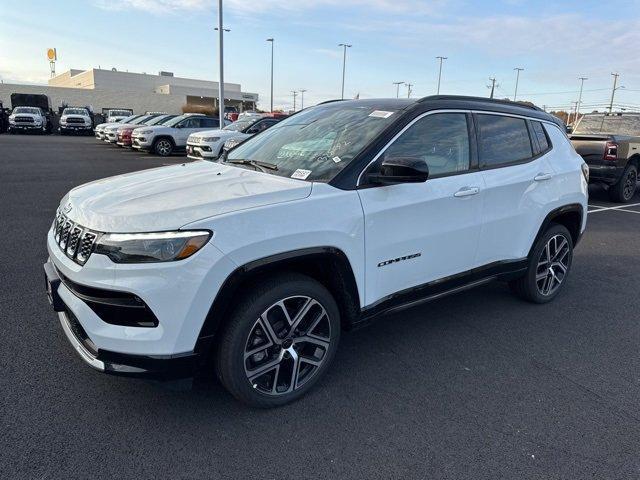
(154, 6)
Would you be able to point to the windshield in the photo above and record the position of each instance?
(160, 120)
(618, 124)
(240, 125)
(176, 120)
(32, 110)
(75, 111)
(119, 113)
(317, 143)
(142, 119)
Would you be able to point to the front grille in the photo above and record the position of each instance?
(74, 240)
(24, 119)
(75, 120)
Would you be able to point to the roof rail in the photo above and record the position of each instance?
(479, 99)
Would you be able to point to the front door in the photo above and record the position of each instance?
(416, 233)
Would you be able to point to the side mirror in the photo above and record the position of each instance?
(396, 170)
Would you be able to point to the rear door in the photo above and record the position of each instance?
(419, 232)
(519, 183)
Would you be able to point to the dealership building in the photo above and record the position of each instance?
(102, 89)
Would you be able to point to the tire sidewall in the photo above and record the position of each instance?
(624, 180)
(552, 231)
(233, 375)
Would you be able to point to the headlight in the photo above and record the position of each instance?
(151, 247)
(231, 143)
(210, 139)
(145, 132)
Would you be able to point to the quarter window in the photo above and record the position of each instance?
(209, 122)
(503, 140)
(441, 139)
(540, 134)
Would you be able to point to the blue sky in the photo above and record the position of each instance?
(393, 40)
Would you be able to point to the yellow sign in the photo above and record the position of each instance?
(51, 54)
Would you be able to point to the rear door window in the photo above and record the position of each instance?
(541, 136)
(502, 140)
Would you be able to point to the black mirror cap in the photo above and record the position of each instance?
(396, 170)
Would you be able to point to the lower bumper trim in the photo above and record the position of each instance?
(85, 354)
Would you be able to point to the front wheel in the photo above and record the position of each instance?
(163, 147)
(279, 341)
(625, 189)
(549, 265)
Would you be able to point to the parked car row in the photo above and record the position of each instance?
(197, 134)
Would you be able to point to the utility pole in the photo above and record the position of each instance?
(344, 63)
(613, 91)
(575, 110)
(582, 79)
(302, 98)
(295, 94)
(515, 93)
(409, 85)
(440, 73)
(271, 41)
(492, 86)
(397, 84)
(221, 31)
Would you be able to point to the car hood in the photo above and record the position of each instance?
(156, 129)
(30, 115)
(217, 132)
(168, 198)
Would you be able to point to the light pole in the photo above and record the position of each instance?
(295, 94)
(409, 85)
(302, 98)
(221, 31)
(440, 73)
(344, 63)
(492, 86)
(582, 79)
(397, 84)
(271, 41)
(515, 93)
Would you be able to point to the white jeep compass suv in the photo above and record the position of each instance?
(254, 264)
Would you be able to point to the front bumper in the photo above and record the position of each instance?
(199, 151)
(74, 128)
(178, 294)
(23, 127)
(141, 143)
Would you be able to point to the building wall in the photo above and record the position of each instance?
(98, 98)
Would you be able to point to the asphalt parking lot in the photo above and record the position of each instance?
(477, 385)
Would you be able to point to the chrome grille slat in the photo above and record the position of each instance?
(73, 239)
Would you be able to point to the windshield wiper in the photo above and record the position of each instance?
(257, 164)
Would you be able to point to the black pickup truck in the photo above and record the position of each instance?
(610, 145)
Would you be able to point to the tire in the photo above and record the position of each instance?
(284, 362)
(163, 147)
(543, 279)
(625, 189)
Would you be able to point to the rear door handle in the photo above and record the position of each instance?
(542, 176)
(467, 191)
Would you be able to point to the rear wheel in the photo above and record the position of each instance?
(625, 189)
(549, 265)
(163, 147)
(280, 340)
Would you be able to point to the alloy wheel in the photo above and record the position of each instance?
(287, 345)
(630, 182)
(553, 265)
(163, 147)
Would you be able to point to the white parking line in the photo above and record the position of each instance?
(601, 208)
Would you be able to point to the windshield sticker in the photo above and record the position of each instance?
(380, 114)
(301, 174)
(336, 159)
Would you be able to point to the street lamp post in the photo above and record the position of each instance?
(344, 64)
(221, 31)
(515, 93)
(397, 84)
(302, 98)
(271, 41)
(440, 73)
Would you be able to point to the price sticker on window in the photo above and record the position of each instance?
(301, 174)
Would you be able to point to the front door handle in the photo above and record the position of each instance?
(542, 176)
(466, 191)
